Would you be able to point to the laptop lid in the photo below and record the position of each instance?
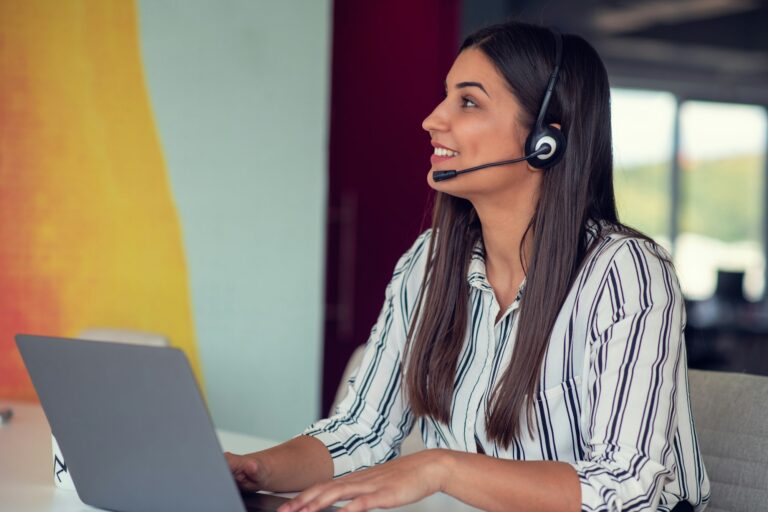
(131, 424)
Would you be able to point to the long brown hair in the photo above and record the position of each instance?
(574, 193)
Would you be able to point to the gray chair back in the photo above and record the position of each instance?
(731, 415)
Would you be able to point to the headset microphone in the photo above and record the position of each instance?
(545, 145)
(446, 175)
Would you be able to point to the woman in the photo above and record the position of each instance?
(536, 340)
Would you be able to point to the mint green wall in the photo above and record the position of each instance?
(240, 91)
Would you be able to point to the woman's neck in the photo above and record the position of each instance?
(504, 223)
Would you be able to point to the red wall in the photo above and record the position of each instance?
(389, 61)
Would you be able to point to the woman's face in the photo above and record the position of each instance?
(477, 123)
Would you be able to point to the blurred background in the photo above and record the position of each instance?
(240, 177)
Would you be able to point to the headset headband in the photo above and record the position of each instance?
(552, 81)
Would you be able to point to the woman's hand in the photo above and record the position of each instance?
(392, 484)
(249, 471)
(288, 467)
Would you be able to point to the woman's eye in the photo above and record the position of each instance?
(466, 102)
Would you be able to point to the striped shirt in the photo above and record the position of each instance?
(613, 396)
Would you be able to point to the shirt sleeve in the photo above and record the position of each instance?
(370, 423)
(629, 416)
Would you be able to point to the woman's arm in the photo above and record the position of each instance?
(637, 361)
(478, 480)
(492, 484)
(370, 422)
(292, 466)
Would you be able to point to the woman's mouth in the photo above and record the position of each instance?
(441, 154)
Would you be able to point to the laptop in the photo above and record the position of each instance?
(133, 427)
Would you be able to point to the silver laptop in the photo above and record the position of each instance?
(133, 427)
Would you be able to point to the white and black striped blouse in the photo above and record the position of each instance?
(613, 397)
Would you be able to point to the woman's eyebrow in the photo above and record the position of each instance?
(468, 84)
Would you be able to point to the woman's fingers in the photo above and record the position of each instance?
(379, 499)
(332, 494)
(316, 497)
(302, 499)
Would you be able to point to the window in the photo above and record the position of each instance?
(642, 125)
(719, 215)
(722, 151)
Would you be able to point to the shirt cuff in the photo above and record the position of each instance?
(595, 496)
(343, 462)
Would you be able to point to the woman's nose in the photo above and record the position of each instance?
(435, 121)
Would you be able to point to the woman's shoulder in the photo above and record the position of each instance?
(623, 248)
(409, 272)
(415, 255)
(624, 273)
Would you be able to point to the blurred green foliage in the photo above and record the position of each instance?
(721, 199)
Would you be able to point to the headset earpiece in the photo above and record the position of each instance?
(548, 135)
(542, 134)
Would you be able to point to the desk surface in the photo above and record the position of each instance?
(26, 472)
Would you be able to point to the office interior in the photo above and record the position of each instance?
(241, 177)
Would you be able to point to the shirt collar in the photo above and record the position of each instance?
(476, 275)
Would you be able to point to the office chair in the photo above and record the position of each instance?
(731, 415)
(730, 286)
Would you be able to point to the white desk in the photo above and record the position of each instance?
(26, 470)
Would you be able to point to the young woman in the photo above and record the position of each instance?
(535, 340)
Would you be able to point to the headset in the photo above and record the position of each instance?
(545, 145)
